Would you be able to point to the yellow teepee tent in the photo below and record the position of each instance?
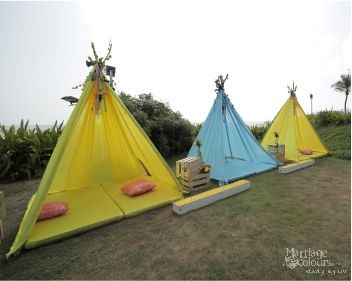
(295, 132)
(101, 149)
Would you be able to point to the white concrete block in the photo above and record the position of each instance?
(296, 166)
(206, 198)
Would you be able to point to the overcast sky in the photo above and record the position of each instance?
(175, 50)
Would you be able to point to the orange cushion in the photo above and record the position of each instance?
(306, 151)
(52, 209)
(137, 187)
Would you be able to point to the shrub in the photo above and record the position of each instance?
(259, 130)
(330, 117)
(168, 130)
(197, 127)
(25, 153)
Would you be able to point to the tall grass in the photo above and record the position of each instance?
(24, 153)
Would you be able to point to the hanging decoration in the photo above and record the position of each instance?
(99, 77)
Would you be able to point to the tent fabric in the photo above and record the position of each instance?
(89, 207)
(228, 145)
(295, 132)
(135, 205)
(97, 149)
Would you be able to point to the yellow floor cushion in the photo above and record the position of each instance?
(131, 206)
(89, 208)
(315, 154)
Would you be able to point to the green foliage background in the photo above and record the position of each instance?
(259, 130)
(168, 130)
(24, 153)
(330, 117)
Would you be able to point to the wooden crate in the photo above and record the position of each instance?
(189, 171)
(197, 182)
(278, 152)
(189, 166)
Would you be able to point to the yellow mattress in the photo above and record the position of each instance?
(311, 156)
(131, 206)
(89, 207)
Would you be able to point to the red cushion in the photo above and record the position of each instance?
(52, 209)
(137, 187)
(306, 151)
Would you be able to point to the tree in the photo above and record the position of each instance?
(344, 86)
(168, 130)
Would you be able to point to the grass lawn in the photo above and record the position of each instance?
(241, 237)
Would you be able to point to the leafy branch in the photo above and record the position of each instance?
(220, 83)
(276, 135)
(292, 90)
(99, 61)
(198, 144)
(108, 56)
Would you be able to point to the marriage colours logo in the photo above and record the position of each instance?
(313, 261)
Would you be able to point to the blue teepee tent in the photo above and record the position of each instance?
(226, 143)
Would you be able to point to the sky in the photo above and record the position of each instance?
(175, 50)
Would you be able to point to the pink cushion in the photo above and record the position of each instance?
(52, 209)
(306, 151)
(137, 187)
